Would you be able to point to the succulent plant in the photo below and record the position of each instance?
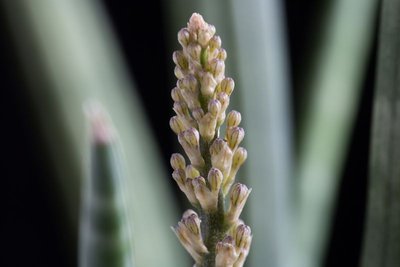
(214, 236)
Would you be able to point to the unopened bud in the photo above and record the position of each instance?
(242, 235)
(234, 136)
(214, 107)
(207, 126)
(180, 60)
(215, 178)
(196, 22)
(197, 114)
(188, 83)
(208, 200)
(177, 125)
(191, 172)
(177, 161)
(194, 51)
(192, 136)
(222, 55)
(192, 222)
(189, 191)
(208, 84)
(238, 197)
(226, 253)
(233, 119)
(180, 179)
(176, 95)
(217, 68)
(224, 99)
(239, 157)
(227, 85)
(221, 156)
(184, 37)
(189, 140)
(215, 42)
(179, 73)
(239, 194)
(181, 109)
(204, 36)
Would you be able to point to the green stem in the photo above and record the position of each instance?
(213, 230)
(213, 227)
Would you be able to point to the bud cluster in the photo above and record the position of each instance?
(201, 98)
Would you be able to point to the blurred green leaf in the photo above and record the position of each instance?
(104, 229)
(335, 80)
(263, 82)
(382, 235)
(69, 55)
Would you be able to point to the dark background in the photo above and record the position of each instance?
(30, 216)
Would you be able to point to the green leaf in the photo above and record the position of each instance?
(69, 55)
(382, 235)
(334, 82)
(104, 229)
(263, 82)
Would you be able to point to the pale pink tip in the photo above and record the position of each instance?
(101, 128)
(196, 22)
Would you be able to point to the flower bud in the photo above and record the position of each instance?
(234, 136)
(223, 98)
(217, 68)
(189, 192)
(242, 236)
(181, 109)
(177, 125)
(189, 141)
(215, 42)
(221, 156)
(184, 37)
(215, 178)
(214, 107)
(204, 36)
(194, 51)
(189, 233)
(180, 179)
(238, 159)
(192, 222)
(208, 201)
(197, 114)
(190, 91)
(226, 253)
(179, 73)
(227, 85)
(222, 54)
(208, 84)
(191, 172)
(180, 60)
(233, 119)
(196, 22)
(176, 95)
(189, 83)
(177, 161)
(181, 232)
(192, 136)
(238, 197)
(207, 127)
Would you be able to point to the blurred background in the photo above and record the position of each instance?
(305, 80)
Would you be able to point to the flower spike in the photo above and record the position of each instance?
(201, 98)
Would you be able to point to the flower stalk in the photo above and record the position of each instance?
(214, 236)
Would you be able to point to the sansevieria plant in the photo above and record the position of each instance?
(213, 234)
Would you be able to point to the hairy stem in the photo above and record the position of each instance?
(212, 223)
